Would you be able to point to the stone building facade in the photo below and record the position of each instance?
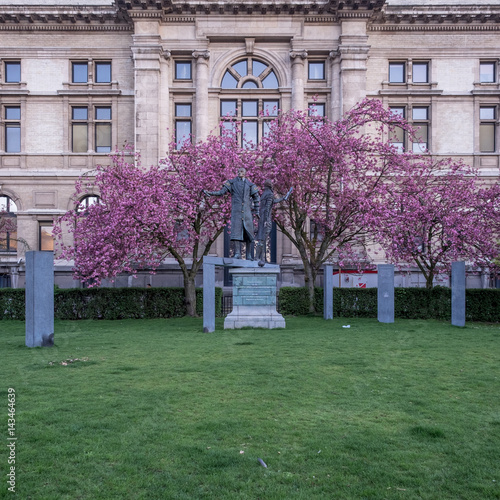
(78, 79)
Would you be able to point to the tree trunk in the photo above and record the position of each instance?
(309, 278)
(190, 294)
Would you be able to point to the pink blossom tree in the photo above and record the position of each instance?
(437, 213)
(338, 171)
(146, 215)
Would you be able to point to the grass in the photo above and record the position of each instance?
(155, 409)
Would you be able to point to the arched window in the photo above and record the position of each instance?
(247, 99)
(86, 202)
(8, 224)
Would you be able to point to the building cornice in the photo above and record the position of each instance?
(419, 17)
(63, 18)
(348, 8)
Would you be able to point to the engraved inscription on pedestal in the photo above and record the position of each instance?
(254, 299)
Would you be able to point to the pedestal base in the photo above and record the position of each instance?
(254, 299)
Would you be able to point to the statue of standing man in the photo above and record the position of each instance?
(267, 201)
(245, 201)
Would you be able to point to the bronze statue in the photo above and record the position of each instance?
(244, 205)
(267, 201)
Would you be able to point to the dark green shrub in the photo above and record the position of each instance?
(409, 303)
(482, 305)
(109, 303)
(12, 303)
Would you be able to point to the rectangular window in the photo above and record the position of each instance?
(420, 119)
(12, 129)
(183, 70)
(271, 108)
(183, 124)
(250, 137)
(487, 72)
(250, 108)
(228, 108)
(12, 72)
(487, 129)
(102, 72)
(420, 72)
(79, 129)
(45, 238)
(317, 109)
(103, 129)
(397, 136)
(79, 72)
(317, 70)
(397, 72)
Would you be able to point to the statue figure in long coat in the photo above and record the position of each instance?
(244, 205)
(267, 200)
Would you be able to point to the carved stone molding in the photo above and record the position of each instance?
(298, 54)
(201, 54)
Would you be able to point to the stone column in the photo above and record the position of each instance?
(298, 59)
(336, 95)
(147, 53)
(353, 52)
(39, 299)
(201, 120)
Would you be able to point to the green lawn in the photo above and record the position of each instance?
(156, 409)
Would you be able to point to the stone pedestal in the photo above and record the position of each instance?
(254, 299)
(39, 299)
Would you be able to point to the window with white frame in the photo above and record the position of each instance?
(12, 71)
(488, 72)
(397, 136)
(419, 117)
(79, 129)
(417, 72)
(316, 70)
(183, 124)
(487, 129)
(420, 121)
(397, 72)
(84, 119)
(86, 71)
(12, 128)
(102, 126)
(420, 72)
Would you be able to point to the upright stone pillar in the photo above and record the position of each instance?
(298, 59)
(458, 293)
(202, 124)
(147, 53)
(385, 293)
(336, 100)
(353, 52)
(39, 299)
(208, 297)
(328, 291)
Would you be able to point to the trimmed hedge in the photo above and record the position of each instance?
(109, 303)
(409, 303)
